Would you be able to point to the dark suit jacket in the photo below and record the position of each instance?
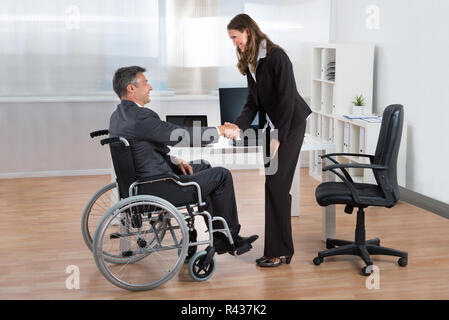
(149, 137)
(274, 93)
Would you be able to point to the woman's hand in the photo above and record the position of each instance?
(230, 130)
(274, 146)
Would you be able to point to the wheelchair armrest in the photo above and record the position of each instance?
(159, 177)
(113, 140)
(176, 179)
(99, 133)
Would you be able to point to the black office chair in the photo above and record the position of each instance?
(362, 195)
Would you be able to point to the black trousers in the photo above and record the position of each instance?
(217, 190)
(278, 228)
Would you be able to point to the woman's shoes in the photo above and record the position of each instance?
(270, 262)
(261, 259)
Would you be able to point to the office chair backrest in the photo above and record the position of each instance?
(387, 150)
(123, 165)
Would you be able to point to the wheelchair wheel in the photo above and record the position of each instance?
(146, 249)
(95, 209)
(199, 270)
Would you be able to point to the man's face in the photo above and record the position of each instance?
(141, 91)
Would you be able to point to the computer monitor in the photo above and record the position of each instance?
(187, 121)
(232, 101)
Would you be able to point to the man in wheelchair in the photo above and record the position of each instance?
(149, 137)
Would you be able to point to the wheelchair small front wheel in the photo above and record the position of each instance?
(199, 270)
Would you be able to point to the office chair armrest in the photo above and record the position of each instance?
(349, 184)
(354, 165)
(329, 155)
(347, 154)
(99, 133)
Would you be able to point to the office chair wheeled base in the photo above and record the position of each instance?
(360, 247)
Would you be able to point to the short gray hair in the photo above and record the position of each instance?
(124, 76)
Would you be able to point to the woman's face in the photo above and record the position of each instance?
(239, 39)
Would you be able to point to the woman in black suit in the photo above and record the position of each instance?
(271, 92)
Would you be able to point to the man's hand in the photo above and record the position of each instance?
(274, 146)
(229, 130)
(183, 166)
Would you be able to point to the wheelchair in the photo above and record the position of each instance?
(147, 227)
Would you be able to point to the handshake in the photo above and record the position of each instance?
(229, 130)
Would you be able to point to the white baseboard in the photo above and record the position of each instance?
(56, 173)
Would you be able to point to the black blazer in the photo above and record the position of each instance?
(149, 137)
(274, 93)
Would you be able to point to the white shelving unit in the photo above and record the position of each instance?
(340, 72)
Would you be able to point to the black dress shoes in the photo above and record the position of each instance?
(240, 246)
(268, 262)
(243, 244)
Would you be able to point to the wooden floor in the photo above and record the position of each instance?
(40, 236)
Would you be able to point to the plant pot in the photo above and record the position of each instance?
(357, 110)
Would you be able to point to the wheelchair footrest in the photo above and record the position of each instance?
(128, 253)
(244, 248)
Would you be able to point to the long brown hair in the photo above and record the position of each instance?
(255, 36)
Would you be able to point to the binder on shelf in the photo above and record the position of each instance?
(346, 136)
(318, 129)
(324, 59)
(331, 130)
(333, 98)
(362, 140)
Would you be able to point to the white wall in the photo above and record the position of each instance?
(51, 137)
(411, 68)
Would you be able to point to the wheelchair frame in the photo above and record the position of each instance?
(203, 261)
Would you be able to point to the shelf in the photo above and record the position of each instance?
(354, 64)
(325, 81)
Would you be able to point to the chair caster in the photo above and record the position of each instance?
(202, 265)
(317, 261)
(403, 262)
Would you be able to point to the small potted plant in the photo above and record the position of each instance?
(358, 103)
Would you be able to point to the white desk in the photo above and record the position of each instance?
(226, 155)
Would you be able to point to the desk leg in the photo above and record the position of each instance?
(329, 222)
(329, 219)
(294, 191)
